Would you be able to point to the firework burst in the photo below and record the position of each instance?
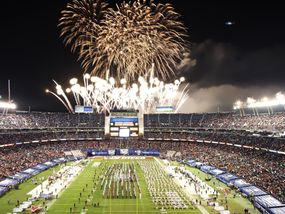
(128, 41)
(104, 95)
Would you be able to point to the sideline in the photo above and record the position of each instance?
(200, 208)
(49, 204)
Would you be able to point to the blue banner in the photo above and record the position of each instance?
(31, 171)
(49, 163)
(145, 152)
(276, 210)
(227, 178)
(216, 172)
(150, 152)
(111, 152)
(267, 201)
(207, 168)
(59, 160)
(240, 183)
(20, 176)
(8, 182)
(93, 152)
(41, 167)
(252, 191)
(124, 119)
(135, 152)
(3, 190)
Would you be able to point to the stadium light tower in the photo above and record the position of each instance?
(266, 102)
(8, 105)
(281, 99)
(251, 104)
(238, 106)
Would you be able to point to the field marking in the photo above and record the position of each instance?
(139, 205)
(127, 211)
(122, 204)
(201, 208)
(67, 187)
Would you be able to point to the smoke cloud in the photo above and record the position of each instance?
(221, 74)
(221, 98)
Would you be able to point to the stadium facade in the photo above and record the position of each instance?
(245, 152)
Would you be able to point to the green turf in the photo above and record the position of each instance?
(66, 200)
(86, 180)
(236, 205)
(21, 193)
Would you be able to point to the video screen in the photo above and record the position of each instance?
(124, 133)
(124, 127)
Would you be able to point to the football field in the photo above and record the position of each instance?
(85, 194)
(126, 186)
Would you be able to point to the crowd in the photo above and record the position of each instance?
(272, 122)
(17, 158)
(242, 138)
(262, 168)
(44, 135)
(25, 120)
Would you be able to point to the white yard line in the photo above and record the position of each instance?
(189, 187)
(193, 187)
(49, 204)
(61, 179)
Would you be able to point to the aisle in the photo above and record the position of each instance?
(56, 182)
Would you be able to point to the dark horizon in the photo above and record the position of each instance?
(232, 61)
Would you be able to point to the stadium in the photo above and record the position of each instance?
(115, 138)
(239, 161)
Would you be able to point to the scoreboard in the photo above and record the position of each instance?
(123, 124)
(124, 127)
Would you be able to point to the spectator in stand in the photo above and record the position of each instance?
(262, 168)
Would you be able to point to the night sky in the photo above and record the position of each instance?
(229, 62)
